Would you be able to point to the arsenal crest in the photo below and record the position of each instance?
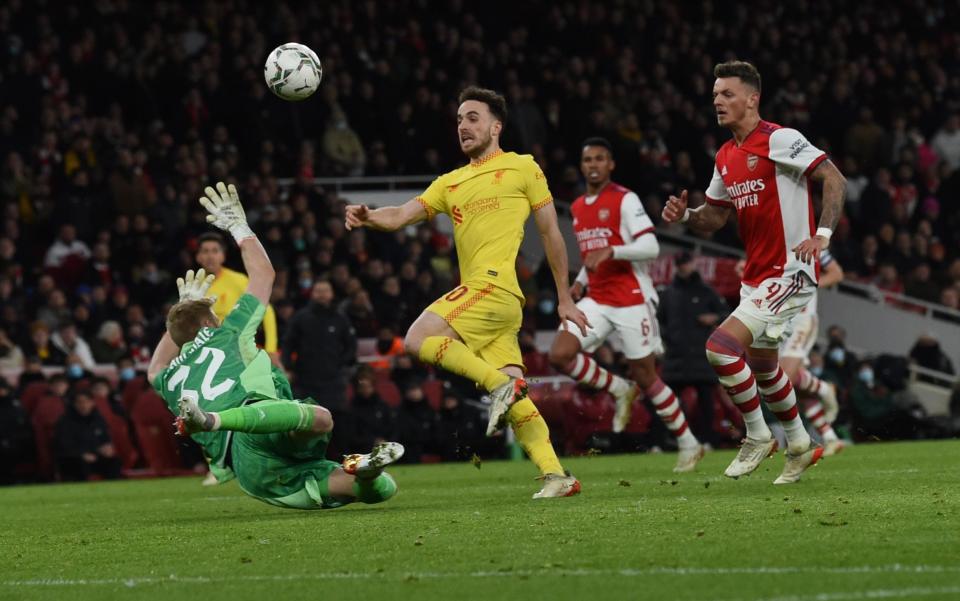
(752, 161)
(603, 214)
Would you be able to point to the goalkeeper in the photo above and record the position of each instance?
(238, 407)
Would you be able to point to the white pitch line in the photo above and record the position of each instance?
(867, 595)
(573, 572)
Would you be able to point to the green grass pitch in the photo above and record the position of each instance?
(878, 521)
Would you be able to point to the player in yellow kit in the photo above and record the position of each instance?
(229, 286)
(472, 330)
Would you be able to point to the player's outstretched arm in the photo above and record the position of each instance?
(556, 251)
(226, 213)
(834, 194)
(706, 218)
(385, 218)
(191, 287)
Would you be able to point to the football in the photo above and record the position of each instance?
(293, 71)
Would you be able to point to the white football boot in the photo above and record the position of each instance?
(748, 458)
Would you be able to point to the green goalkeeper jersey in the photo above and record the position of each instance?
(225, 369)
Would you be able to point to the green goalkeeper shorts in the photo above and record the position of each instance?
(284, 470)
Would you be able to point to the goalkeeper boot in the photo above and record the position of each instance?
(191, 417)
(501, 398)
(371, 464)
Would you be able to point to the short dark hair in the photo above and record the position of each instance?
(212, 237)
(496, 102)
(747, 73)
(598, 141)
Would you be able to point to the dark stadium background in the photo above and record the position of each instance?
(114, 115)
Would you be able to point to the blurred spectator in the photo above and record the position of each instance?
(839, 364)
(11, 357)
(389, 347)
(342, 148)
(40, 345)
(926, 352)
(418, 423)
(946, 142)
(68, 342)
(689, 311)
(109, 345)
(318, 348)
(372, 421)
(16, 434)
(82, 441)
(461, 429)
(66, 245)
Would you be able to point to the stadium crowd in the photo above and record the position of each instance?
(114, 116)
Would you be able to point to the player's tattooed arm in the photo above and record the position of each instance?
(708, 218)
(834, 193)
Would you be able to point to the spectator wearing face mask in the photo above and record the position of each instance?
(880, 413)
(839, 364)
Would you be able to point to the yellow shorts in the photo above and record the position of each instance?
(487, 318)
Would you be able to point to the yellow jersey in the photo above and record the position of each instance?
(228, 288)
(489, 202)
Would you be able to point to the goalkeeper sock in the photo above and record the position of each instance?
(454, 356)
(534, 436)
(266, 417)
(374, 490)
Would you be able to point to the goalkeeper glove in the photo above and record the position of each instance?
(194, 286)
(226, 212)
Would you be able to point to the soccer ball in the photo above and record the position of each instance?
(293, 71)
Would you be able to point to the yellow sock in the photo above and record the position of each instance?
(454, 356)
(534, 436)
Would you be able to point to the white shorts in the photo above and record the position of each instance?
(768, 309)
(636, 326)
(804, 335)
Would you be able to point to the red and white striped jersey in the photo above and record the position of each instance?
(613, 218)
(765, 180)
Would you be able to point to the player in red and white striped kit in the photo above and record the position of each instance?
(762, 173)
(821, 404)
(616, 243)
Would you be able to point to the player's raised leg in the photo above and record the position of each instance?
(432, 340)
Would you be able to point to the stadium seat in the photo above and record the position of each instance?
(152, 423)
(46, 413)
(119, 433)
(32, 395)
(131, 392)
(388, 391)
(433, 390)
